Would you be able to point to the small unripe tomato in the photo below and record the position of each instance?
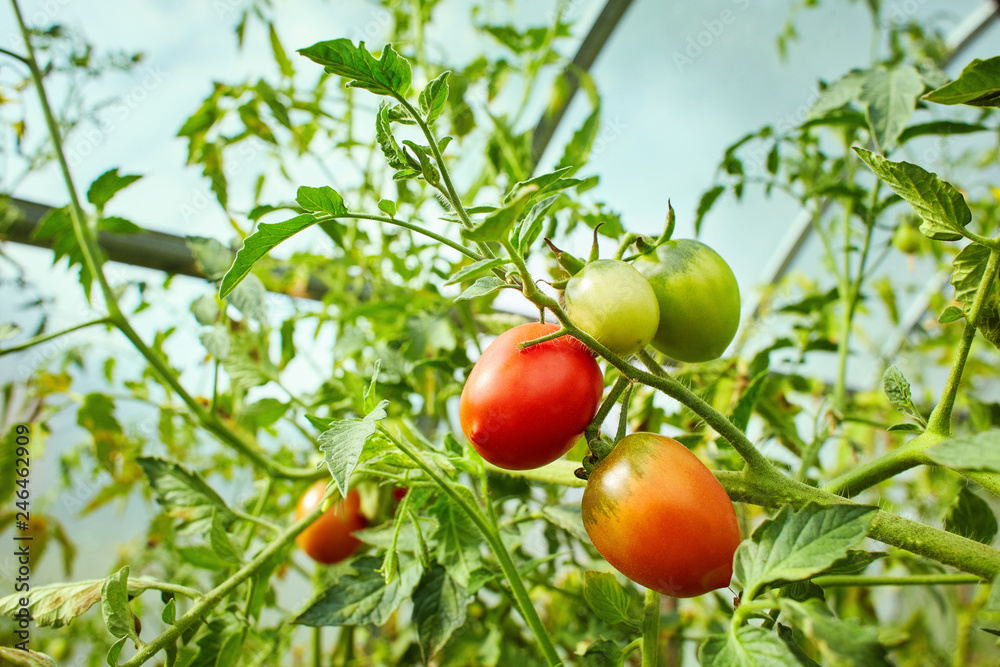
(329, 538)
(698, 296)
(907, 238)
(521, 409)
(660, 517)
(615, 304)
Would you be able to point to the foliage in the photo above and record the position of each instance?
(475, 565)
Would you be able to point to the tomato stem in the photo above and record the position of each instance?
(651, 629)
(559, 333)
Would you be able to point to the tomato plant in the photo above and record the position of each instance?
(521, 409)
(698, 296)
(615, 304)
(329, 539)
(660, 517)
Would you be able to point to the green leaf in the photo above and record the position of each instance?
(705, 205)
(221, 544)
(56, 605)
(439, 605)
(390, 75)
(577, 150)
(114, 604)
(842, 643)
(280, 57)
(546, 184)
(457, 537)
(394, 155)
(890, 97)
(977, 86)
(262, 413)
(993, 602)
(747, 647)
(905, 428)
(212, 257)
(434, 97)
(324, 200)
(605, 597)
(971, 516)
(968, 271)
(842, 91)
(476, 268)
(259, 244)
(117, 225)
(950, 314)
(388, 207)
(970, 453)
(940, 206)
(482, 287)
(185, 493)
(748, 400)
(897, 389)
(528, 230)
(344, 441)
(569, 518)
(115, 651)
(797, 544)
(169, 613)
(15, 657)
(940, 127)
(363, 597)
(107, 186)
(495, 226)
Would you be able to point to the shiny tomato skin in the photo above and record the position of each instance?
(698, 296)
(660, 517)
(615, 304)
(522, 409)
(328, 539)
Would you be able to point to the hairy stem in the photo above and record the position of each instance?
(651, 629)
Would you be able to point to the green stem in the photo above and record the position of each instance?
(940, 419)
(593, 431)
(209, 601)
(43, 338)
(496, 544)
(209, 421)
(559, 333)
(171, 588)
(444, 240)
(939, 424)
(651, 629)
(914, 580)
(558, 472)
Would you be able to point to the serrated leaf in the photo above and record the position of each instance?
(457, 537)
(482, 287)
(363, 597)
(950, 314)
(434, 97)
(221, 545)
(390, 75)
(321, 200)
(56, 605)
(890, 97)
(439, 605)
(569, 518)
(968, 271)
(940, 206)
(747, 647)
(605, 597)
(841, 642)
(970, 453)
(184, 493)
(258, 244)
(344, 441)
(394, 155)
(971, 516)
(107, 185)
(118, 225)
(978, 85)
(797, 544)
(114, 604)
(897, 389)
(476, 268)
(495, 226)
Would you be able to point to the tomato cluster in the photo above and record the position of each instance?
(651, 508)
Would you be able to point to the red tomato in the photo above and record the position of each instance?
(329, 540)
(399, 493)
(522, 409)
(660, 517)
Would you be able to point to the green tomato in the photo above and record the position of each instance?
(612, 302)
(698, 296)
(907, 238)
